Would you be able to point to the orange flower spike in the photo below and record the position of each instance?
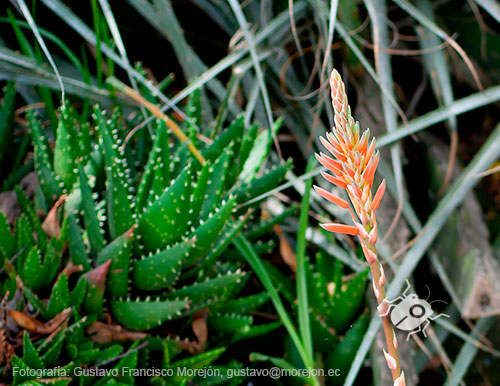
(341, 228)
(354, 170)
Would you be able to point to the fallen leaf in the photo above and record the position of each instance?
(51, 224)
(104, 333)
(3, 347)
(199, 326)
(286, 250)
(70, 269)
(33, 325)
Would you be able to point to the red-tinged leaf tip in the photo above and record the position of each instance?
(97, 276)
(341, 228)
(331, 197)
(334, 180)
(378, 196)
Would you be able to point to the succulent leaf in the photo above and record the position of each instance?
(211, 290)
(207, 233)
(7, 119)
(119, 252)
(215, 184)
(50, 183)
(144, 315)
(162, 269)
(229, 323)
(166, 219)
(65, 152)
(59, 298)
(76, 246)
(235, 130)
(94, 231)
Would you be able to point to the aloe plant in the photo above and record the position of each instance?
(146, 233)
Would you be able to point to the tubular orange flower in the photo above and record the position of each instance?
(341, 228)
(354, 170)
(333, 180)
(378, 196)
(331, 197)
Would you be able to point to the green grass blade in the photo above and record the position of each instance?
(467, 353)
(54, 39)
(245, 248)
(435, 62)
(271, 28)
(240, 16)
(115, 32)
(26, 13)
(377, 10)
(429, 24)
(460, 106)
(25, 70)
(490, 6)
(303, 303)
(344, 33)
(61, 10)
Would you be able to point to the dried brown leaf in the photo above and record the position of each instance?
(51, 224)
(33, 325)
(104, 333)
(71, 268)
(199, 326)
(286, 250)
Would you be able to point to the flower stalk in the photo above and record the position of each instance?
(353, 169)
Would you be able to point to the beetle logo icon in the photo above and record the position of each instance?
(412, 313)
